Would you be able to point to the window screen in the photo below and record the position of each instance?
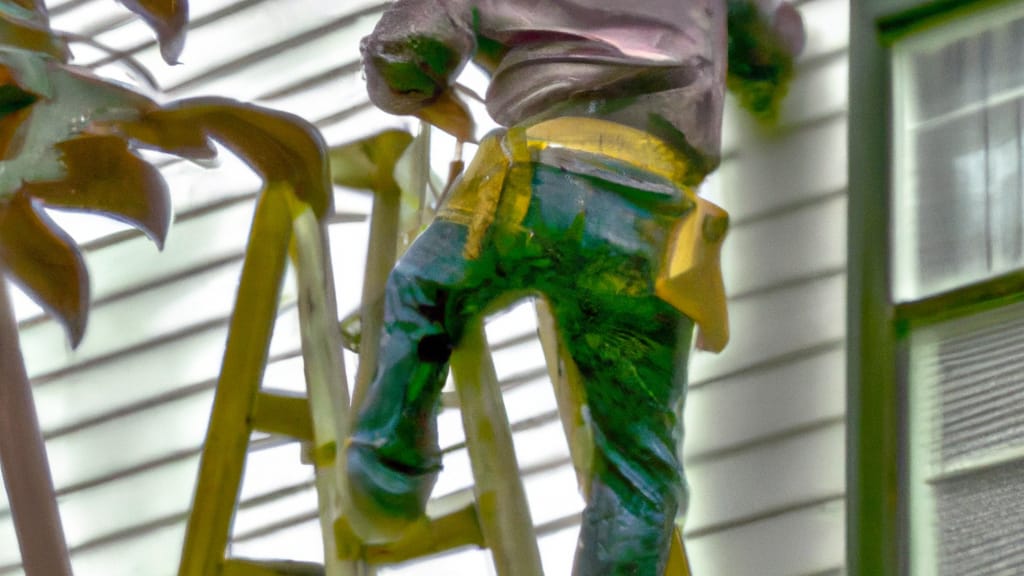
(959, 201)
(967, 445)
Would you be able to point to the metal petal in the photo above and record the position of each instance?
(45, 262)
(370, 162)
(32, 35)
(280, 147)
(103, 175)
(169, 19)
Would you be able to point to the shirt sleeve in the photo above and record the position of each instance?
(416, 50)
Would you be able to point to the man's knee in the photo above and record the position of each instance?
(409, 288)
(624, 532)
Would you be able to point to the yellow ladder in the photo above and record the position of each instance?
(496, 516)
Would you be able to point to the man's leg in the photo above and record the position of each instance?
(393, 457)
(632, 358)
(603, 243)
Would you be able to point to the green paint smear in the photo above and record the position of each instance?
(421, 65)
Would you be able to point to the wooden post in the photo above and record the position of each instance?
(501, 501)
(227, 439)
(324, 366)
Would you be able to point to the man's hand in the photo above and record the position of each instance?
(765, 37)
(450, 114)
(787, 24)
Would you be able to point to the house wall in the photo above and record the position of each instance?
(765, 420)
(125, 414)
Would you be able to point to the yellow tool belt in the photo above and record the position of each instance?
(497, 186)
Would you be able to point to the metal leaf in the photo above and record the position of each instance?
(28, 30)
(169, 19)
(161, 131)
(450, 114)
(61, 147)
(104, 176)
(45, 262)
(70, 103)
(278, 146)
(368, 164)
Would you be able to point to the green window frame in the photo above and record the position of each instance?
(881, 319)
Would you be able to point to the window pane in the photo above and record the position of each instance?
(1003, 128)
(1007, 69)
(980, 519)
(949, 77)
(972, 375)
(950, 204)
(957, 205)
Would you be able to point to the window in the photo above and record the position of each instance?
(966, 432)
(958, 218)
(959, 96)
(936, 359)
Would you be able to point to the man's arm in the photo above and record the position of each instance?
(765, 37)
(412, 58)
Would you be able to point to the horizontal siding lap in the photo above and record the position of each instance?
(774, 324)
(190, 243)
(253, 519)
(86, 393)
(743, 409)
(124, 442)
(801, 243)
(819, 89)
(802, 541)
(128, 502)
(151, 553)
(765, 419)
(785, 168)
(264, 77)
(345, 90)
(240, 34)
(779, 476)
(299, 540)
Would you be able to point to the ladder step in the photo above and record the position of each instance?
(243, 567)
(284, 413)
(429, 536)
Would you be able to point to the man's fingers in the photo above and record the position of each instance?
(790, 26)
(449, 114)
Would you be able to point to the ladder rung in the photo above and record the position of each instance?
(282, 413)
(243, 567)
(429, 536)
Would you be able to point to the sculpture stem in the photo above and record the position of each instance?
(23, 460)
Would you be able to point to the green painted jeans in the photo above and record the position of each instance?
(591, 246)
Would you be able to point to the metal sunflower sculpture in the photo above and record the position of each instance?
(69, 140)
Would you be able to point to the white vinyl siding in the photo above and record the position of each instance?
(765, 419)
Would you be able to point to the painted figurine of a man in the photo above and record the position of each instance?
(613, 111)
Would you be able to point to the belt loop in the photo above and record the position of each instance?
(492, 168)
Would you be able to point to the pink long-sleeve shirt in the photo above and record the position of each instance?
(655, 65)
